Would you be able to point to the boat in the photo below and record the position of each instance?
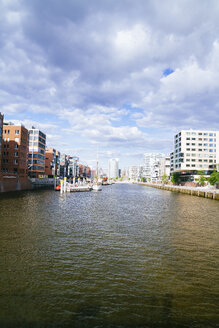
(58, 188)
(96, 186)
(74, 187)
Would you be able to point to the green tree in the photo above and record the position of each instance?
(214, 178)
(175, 178)
(165, 178)
(143, 179)
(201, 179)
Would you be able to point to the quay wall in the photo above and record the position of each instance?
(211, 194)
(14, 183)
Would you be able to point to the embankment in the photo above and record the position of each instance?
(194, 191)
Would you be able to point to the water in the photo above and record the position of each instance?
(128, 256)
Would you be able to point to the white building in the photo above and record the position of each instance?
(195, 150)
(113, 168)
(164, 166)
(133, 172)
(151, 166)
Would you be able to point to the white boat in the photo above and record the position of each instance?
(97, 187)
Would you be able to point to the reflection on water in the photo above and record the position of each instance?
(129, 256)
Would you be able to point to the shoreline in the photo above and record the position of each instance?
(193, 191)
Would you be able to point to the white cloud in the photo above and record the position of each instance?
(101, 61)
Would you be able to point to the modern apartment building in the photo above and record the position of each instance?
(164, 166)
(195, 150)
(151, 164)
(15, 149)
(72, 166)
(133, 172)
(36, 158)
(63, 166)
(113, 168)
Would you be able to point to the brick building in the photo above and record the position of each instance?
(1, 143)
(15, 149)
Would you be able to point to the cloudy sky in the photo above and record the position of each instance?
(121, 76)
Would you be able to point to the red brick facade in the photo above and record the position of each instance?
(15, 150)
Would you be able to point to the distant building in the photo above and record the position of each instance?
(194, 151)
(63, 166)
(36, 157)
(73, 170)
(113, 168)
(164, 166)
(84, 171)
(50, 162)
(15, 149)
(151, 163)
(133, 172)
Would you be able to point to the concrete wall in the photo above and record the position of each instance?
(212, 194)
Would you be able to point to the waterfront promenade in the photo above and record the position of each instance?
(205, 192)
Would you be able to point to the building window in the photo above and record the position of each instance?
(17, 131)
(16, 154)
(16, 139)
(15, 161)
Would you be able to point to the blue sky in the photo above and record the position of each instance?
(117, 75)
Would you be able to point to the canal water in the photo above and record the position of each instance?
(128, 256)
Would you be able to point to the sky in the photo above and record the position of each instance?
(117, 77)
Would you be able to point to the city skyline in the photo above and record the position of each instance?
(120, 76)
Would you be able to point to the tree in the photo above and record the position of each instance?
(201, 179)
(175, 178)
(214, 178)
(165, 178)
(143, 179)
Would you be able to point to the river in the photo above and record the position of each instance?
(128, 256)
